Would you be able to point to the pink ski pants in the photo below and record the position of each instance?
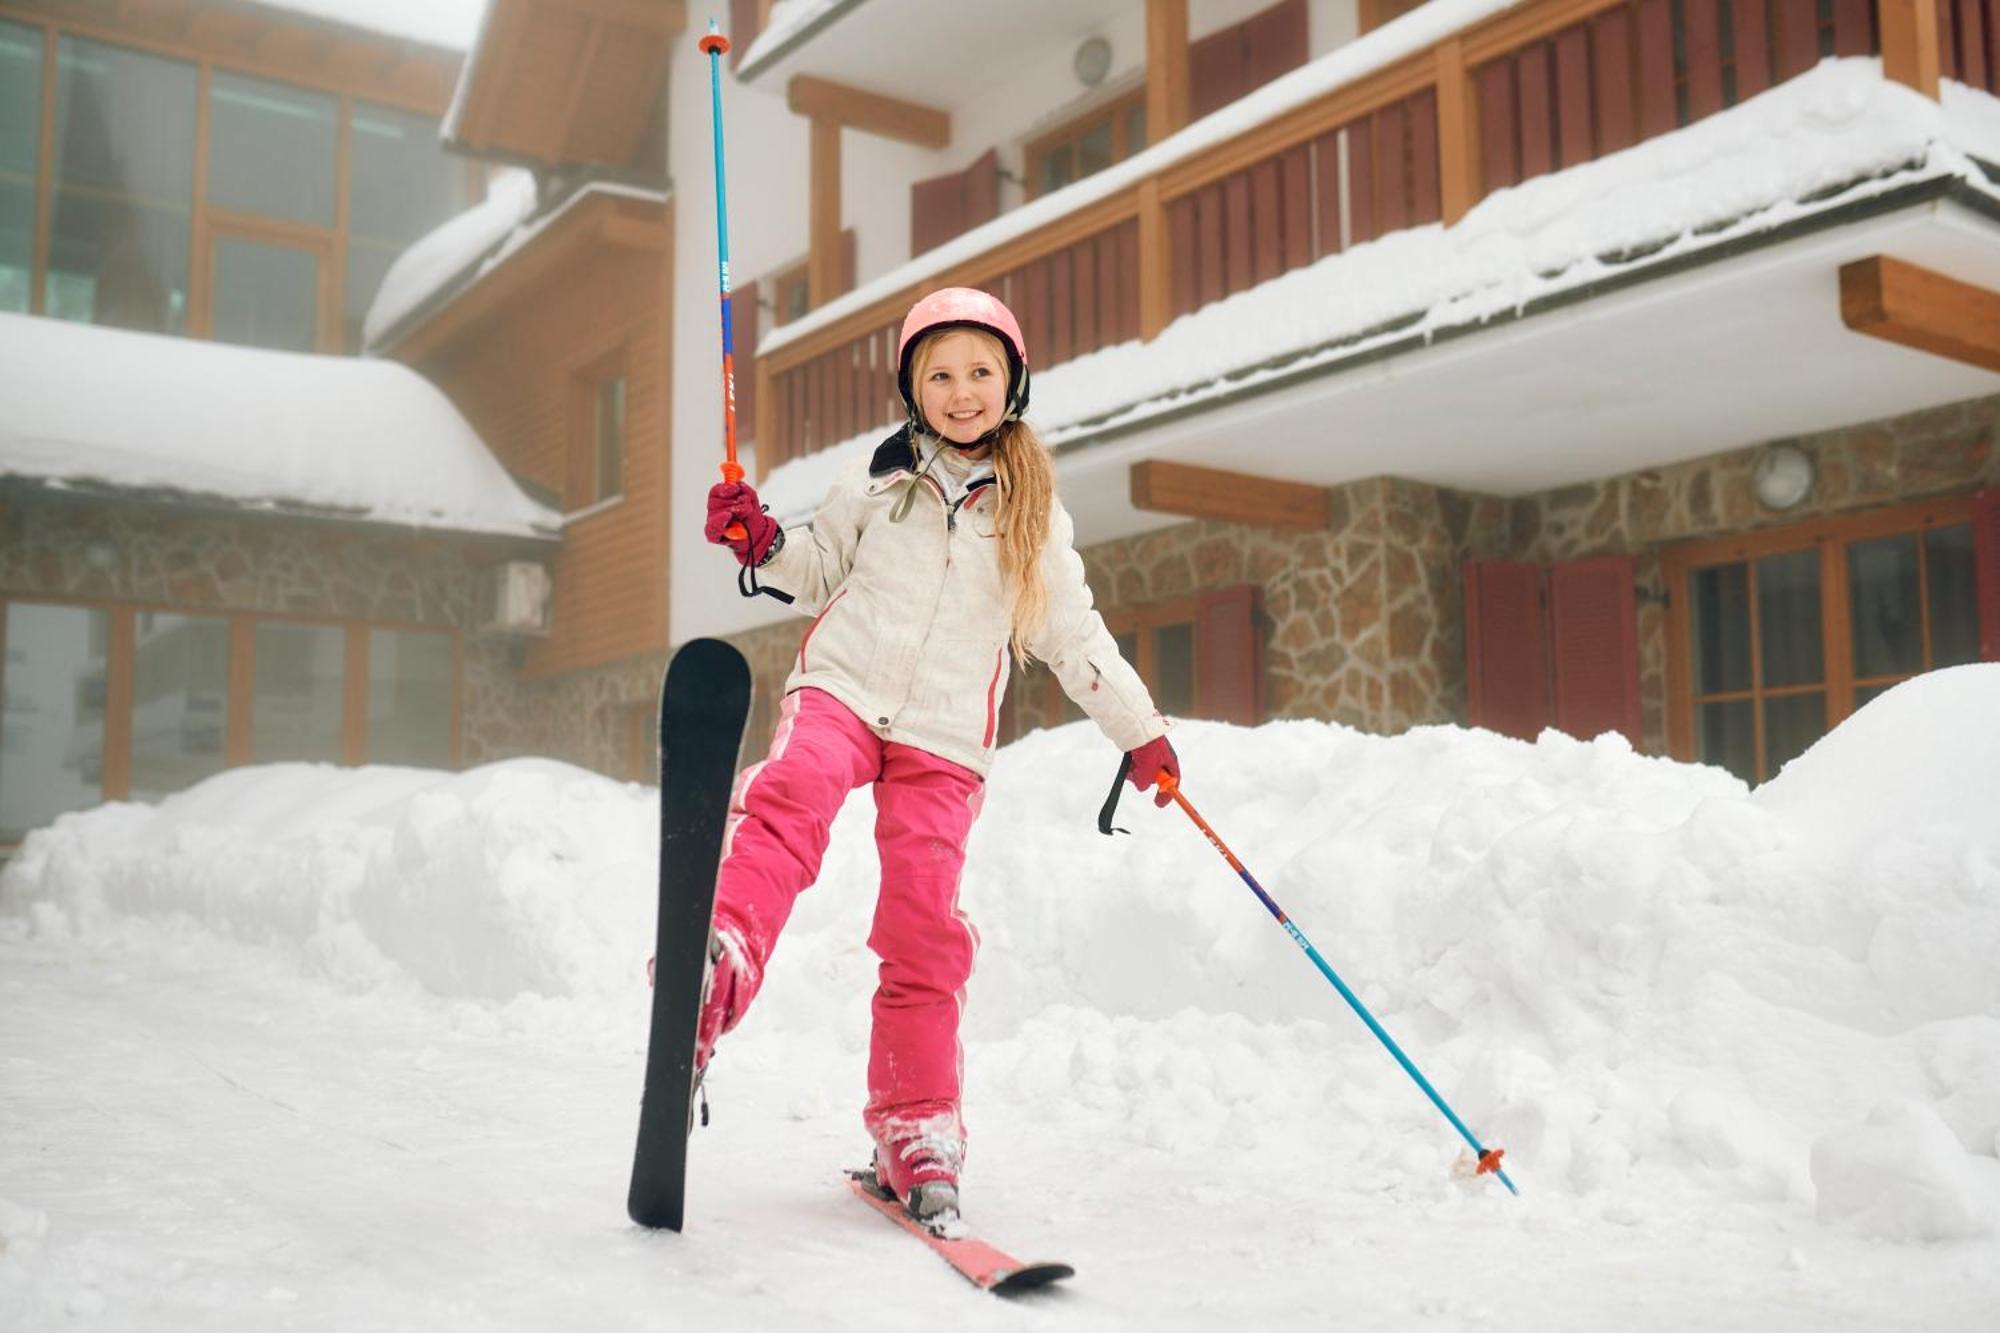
(779, 820)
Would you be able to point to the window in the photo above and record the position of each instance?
(119, 229)
(401, 184)
(298, 695)
(52, 727)
(20, 157)
(1088, 144)
(1777, 636)
(410, 675)
(116, 703)
(266, 293)
(271, 149)
(180, 701)
(596, 468)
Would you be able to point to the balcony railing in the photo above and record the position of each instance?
(1533, 89)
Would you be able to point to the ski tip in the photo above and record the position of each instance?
(1031, 1277)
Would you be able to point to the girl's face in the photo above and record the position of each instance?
(962, 385)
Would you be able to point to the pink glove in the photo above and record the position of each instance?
(736, 502)
(1147, 762)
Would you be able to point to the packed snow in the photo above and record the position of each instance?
(82, 406)
(311, 1048)
(1835, 135)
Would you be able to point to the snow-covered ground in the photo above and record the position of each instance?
(312, 1048)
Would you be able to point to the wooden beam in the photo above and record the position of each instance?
(823, 227)
(1166, 67)
(1231, 497)
(1156, 274)
(1458, 132)
(1887, 298)
(858, 109)
(1910, 43)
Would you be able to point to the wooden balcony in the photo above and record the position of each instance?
(1536, 88)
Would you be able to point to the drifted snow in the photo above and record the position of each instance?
(332, 1048)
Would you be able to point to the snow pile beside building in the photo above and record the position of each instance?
(1657, 989)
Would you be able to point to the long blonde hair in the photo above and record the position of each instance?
(1025, 478)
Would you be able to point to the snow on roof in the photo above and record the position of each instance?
(450, 251)
(1836, 134)
(371, 440)
(452, 24)
(467, 248)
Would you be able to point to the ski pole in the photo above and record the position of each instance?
(1489, 1158)
(713, 45)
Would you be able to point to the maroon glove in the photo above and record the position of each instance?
(736, 502)
(1148, 760)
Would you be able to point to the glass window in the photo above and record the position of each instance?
(1951, 581)
(1791, 723)
(1093, 149)
(1173, 670)
(610, 437)
(1728, 736)
(266, 295)
(180, 701)
(1885, 600)
(1720, 617)
(401, 185)
(124, 186)
(1788, 618)
(271, 149)
(409, 698)
(52, 723)
(297, 699)
(20, 155)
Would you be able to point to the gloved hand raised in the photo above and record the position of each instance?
(736, 502)
(1147, 762)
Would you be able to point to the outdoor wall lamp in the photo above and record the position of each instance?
(1783, 477)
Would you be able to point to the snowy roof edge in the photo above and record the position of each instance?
(269, 506)
(491, 258)
(756, 59)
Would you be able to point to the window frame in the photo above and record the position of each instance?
(1832, 535)
(121, 617)
(583, 479)
(330, 322)
(1115, 111)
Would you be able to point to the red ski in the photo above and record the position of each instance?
(983, 1265)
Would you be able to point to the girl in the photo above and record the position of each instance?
(926, 568)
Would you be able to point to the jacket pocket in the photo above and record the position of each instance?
(813, 628)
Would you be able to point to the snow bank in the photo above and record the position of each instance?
(1654, 987)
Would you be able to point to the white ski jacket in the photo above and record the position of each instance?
(910, 626)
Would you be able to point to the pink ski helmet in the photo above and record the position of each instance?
(967, 308)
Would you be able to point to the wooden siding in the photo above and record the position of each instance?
(517, 374)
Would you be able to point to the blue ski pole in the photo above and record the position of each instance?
(713, 45)
(1489, 1158)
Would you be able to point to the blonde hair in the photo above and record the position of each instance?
(1025, 478)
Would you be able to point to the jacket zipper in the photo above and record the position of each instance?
(993, 688)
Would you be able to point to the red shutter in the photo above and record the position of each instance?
(1506, 655)
(1986, 560)
(1218, 68)
(743, 328)
(937, 208)
(1276, 40)
(944, 206)
(1594, 644)
(981, 189)
(1229, 655)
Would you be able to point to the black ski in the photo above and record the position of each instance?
(703, 705)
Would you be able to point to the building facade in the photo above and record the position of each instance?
(1602, 364)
